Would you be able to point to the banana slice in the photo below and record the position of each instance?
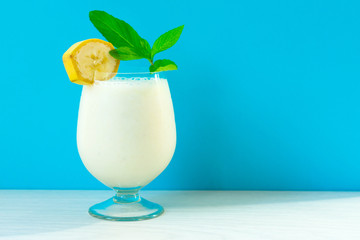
(89, 60)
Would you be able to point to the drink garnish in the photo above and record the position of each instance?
(91, 57)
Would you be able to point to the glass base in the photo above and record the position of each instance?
(126, 207)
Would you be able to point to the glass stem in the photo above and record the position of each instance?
(126, 195)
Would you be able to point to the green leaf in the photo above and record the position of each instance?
(124, 53)
(167, 40)
(119, 33)
(146, 48)
(163, 65)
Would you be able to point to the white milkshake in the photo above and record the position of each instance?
(126, 130)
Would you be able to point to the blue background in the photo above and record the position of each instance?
(266, 97)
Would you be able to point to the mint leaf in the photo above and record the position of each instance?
(163, 65)
(124, 53)
(167, 40)
(119, 33)
(146, 48)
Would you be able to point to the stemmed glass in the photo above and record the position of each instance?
(126, 137)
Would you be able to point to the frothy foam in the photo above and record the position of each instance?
(129, 81)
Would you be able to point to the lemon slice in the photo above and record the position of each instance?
(88, 58)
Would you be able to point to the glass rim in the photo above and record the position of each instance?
(114, 77)
(131, 73)
(110, 75)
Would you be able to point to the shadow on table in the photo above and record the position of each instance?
(198, 199)
(35, 212)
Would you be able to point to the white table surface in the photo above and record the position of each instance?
(188, 215)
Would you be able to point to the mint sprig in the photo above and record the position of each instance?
(128, 43)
